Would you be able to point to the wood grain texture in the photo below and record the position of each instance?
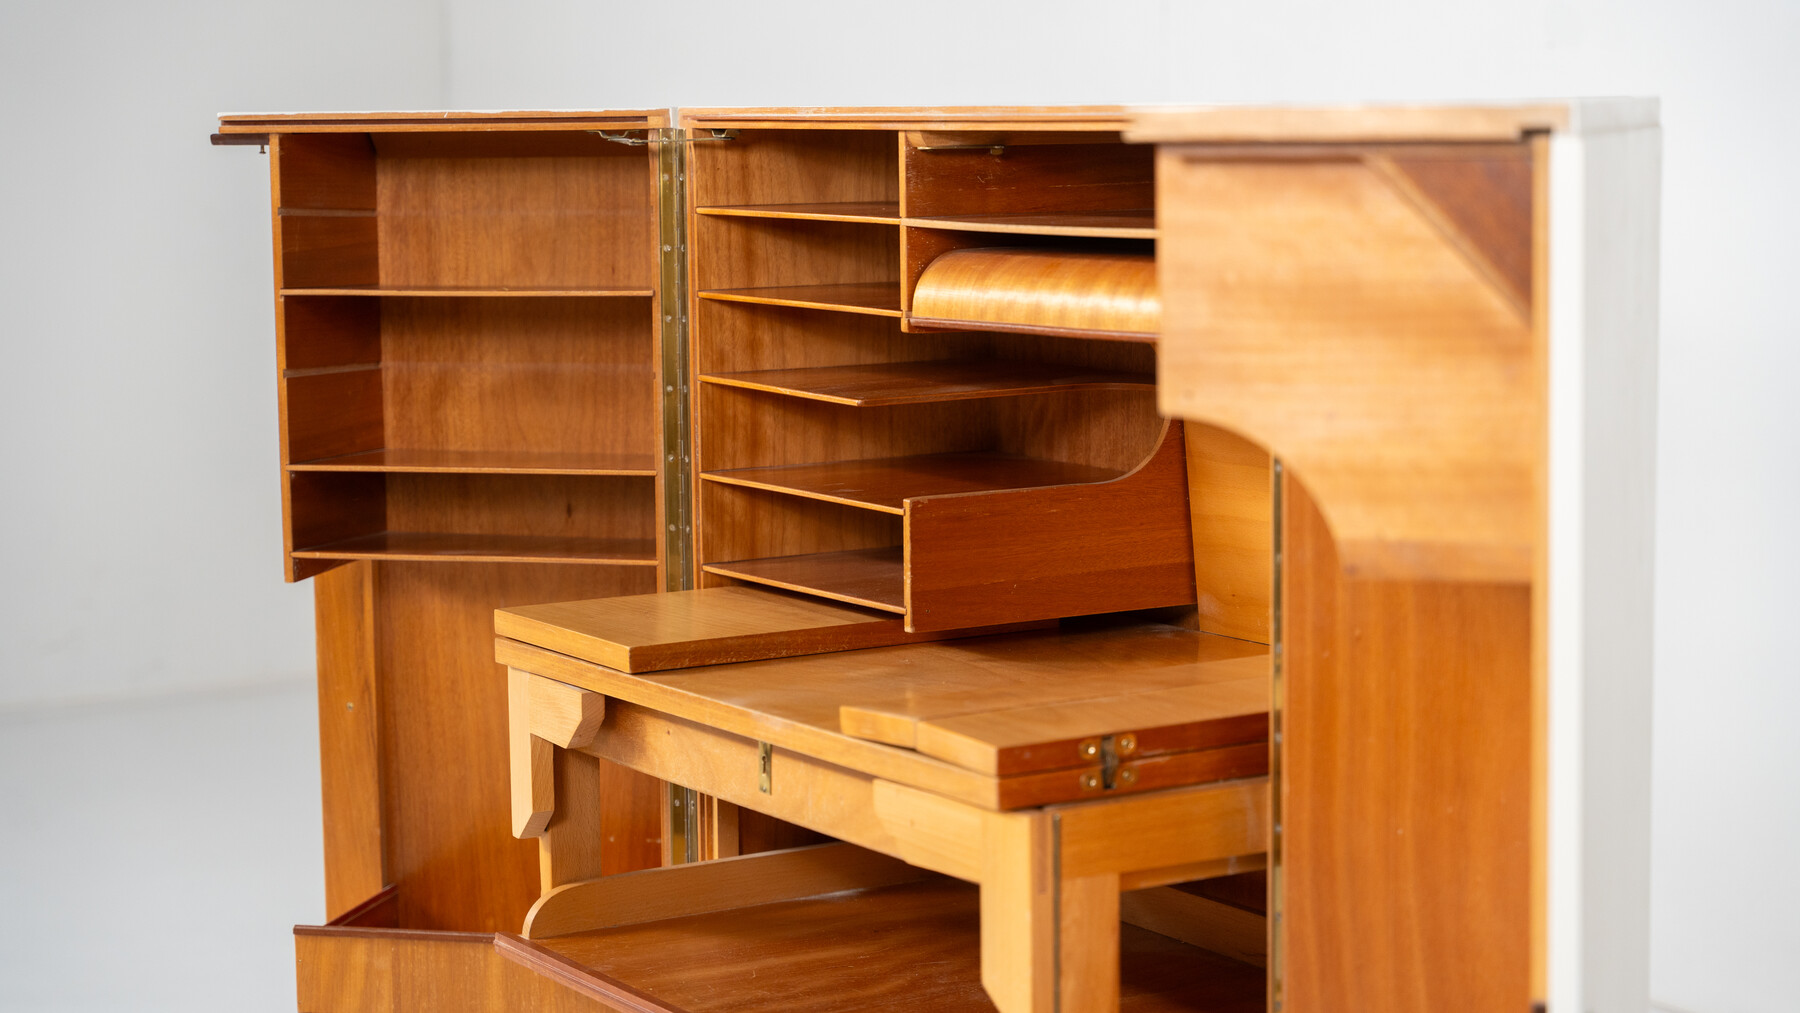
(1051, 737)
(710, 626)
(471, 291)
(1122, 224)
(1091, 548)
(531, 761)
(444, 747)
(1486, 202)
(1048, 291)
(910, 948)
(349, 736)
(874, 298)
(797, 703)
(1231, 514)
(416, 547)
(327, 251)
(1312, 308)
(885, 484)
(1346, 123)
(1024, 179)
(893, 383)
(1223, 929)
(564, 715)
(326, 171)
(709, 886)
(480, 462)
(871, 578)
(582, 222)
(353, 970)
(877, 212)
(533, 375)
(1406, 785)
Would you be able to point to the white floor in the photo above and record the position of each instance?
(156, 853)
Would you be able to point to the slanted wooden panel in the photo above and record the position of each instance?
(1316, 307)
(973, 559)
(353, 970)
(1406, 786)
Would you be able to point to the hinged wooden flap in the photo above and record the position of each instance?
(711, 626)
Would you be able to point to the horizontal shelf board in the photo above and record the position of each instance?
(875, 212)
(886, 950)
(474, 291)
(485, 462)
(894, 383)
(875, 298)
(885, 484)
(1040, 330)
(436, 547)
(1139, 224)
(869, 577)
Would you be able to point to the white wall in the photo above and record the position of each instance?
(141, 515)
(137, 407)
(1727, 825)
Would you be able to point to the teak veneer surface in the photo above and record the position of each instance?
(427, 546)
(875, 385)
(797, 703)
(886, 484)
(876, 298)
(1076, 291)
(469, 291)
(867, 577)
(873, 212)
(504, 462)
(711, 626)
(913, 948)
(1140, 224)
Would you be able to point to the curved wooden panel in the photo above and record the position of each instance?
(1083, 293)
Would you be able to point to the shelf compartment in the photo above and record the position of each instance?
(876, 298)
(439, 547)
(909, 947)
(869, 212)
(1128, 224)
(1071, 292)
(472, 291)
(480, 462)
(872, 578)
(885, 484)
(896, 383)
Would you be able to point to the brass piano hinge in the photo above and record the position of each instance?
(665, 134)
(672, 307)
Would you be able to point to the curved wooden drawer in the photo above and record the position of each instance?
(1041, 291)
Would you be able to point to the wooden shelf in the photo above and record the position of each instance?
(471, 291)
(894, 383)
(867, 577)
(885, 484)
(874, 298)
(485, 462)
(435, 547)
(1138, 224)
(910, 947)
(874, 212)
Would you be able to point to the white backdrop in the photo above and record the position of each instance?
(137, 402)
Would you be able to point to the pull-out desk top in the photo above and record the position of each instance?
(1081, 711)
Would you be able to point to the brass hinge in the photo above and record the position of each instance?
(1110, 751)
(765, 767)
(665, 135)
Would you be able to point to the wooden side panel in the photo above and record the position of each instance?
(973, 561)
(1231, 511)
(349, 736)
(446, 788)
(350, 971)
(1317, 305)
(1406, 786)
(334, 172)
(960, 179)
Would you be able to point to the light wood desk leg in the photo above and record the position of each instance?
(569, 849)
(1040, 936)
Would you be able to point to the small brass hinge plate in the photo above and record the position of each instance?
(765, 767)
